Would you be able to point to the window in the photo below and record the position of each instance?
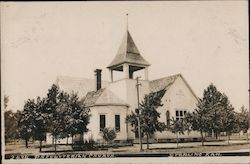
(185, 113)
(168, 118)
(177, 113)
(117, 123)
(102, 121)
(180, 114)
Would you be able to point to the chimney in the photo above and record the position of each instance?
(98, 74)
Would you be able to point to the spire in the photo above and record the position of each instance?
(128, 58)
(128, 52)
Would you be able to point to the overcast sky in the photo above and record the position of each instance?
(207, 42)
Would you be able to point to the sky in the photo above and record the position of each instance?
(207, 42)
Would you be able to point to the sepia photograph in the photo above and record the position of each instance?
(125, 82)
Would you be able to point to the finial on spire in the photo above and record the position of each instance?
(127, 21)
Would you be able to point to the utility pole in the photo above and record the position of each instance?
(139, 111)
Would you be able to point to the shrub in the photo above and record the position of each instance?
(108, 134)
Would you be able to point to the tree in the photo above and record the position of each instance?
(108, 134)
(198, 120)
(67, 115)
(11, 122)
(178, 127)
(56, 112)
(40, 124)
(32, 122)
(26, 121)
(214, 113)
(77, 117)
(211, 104)
(229, 120)
(149, 115)
(243, 120)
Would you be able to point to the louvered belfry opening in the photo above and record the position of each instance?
(98, 75)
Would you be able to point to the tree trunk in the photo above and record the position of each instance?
(147, 142)
(216, 135)
(202, 138)
(67, 141)
(40, 147)
(26, 143)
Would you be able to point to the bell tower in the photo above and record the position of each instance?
(128, 59)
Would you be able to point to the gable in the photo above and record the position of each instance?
(168, 82)
(189, 87)
(180, 92)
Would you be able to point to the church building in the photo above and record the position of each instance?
(110, 102)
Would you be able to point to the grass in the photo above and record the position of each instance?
(196, 147)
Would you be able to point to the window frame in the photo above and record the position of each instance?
(180, 114)
(117, 124)
(100, 121)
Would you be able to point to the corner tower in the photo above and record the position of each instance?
(128, 59)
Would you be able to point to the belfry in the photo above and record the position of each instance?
(128, 59)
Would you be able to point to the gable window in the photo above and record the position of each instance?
(177, 113)
(102, 121)
(117, 123)
(180, 114)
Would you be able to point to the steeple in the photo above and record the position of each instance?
(128, 53)
(128, 58)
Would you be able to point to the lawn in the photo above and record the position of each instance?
(190, 147)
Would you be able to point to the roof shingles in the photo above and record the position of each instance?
(92, 97)
(166, 82)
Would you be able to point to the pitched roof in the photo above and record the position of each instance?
(128, 53)
(81, 86)
(92, 97)
(103, 97)
(159, 84)
(166, 82)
